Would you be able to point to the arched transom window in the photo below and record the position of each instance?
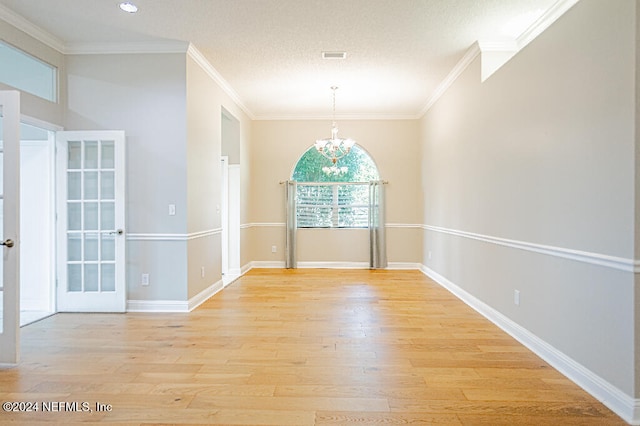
(333, 195)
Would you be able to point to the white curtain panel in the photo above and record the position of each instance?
(377, 237)
(290, 240)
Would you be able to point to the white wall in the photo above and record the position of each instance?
(36, 223)
(542, 154)
(144, 95)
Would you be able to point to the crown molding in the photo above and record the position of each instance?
(338, 117)
(538, 27)
(22, 24)
(168, 46)
(200, 59)
(552, 14)
(464, 62)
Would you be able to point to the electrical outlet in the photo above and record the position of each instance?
(429, 254)
(274, 249)
(144, 279)
(202, 271)
(516, 297)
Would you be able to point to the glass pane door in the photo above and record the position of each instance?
(91, 227)
(91, 255)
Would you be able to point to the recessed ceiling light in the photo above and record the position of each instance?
(128, 7)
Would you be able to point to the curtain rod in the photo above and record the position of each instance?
(384, 182)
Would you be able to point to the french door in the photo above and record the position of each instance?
(91, 218)
(9, 238)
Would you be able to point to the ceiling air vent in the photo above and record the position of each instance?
(334, 55)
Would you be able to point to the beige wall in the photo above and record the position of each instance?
(542, 154)
(205, 103)
(276, 147)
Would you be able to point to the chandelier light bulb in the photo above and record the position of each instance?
(334, 147)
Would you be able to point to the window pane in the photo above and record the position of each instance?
(339, 205)
(107, 186)
(73, 185)
(91, 247)
(74, 247)
(26, 73)
(91, 216)
(108, 155)
(91, 185)
(74, 277)
(108, 277)
(108, 216)
(91, 277)
(108, 247)
(74, 160)
(74, 216)
(91, 155)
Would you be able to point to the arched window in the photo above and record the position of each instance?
(333, 195)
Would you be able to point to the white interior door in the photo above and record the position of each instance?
(9, 238)
(224, 217)
(91, 220)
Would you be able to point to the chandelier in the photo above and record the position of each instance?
(334, 147)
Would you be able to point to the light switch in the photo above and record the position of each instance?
(172, 209)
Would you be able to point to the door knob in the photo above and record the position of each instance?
(8, 242)
(119, 232)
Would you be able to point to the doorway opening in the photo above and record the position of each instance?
(37, 223)
(230, 198)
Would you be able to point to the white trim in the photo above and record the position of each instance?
(203, 234)
(622, 404)
(403, 225)
(205, 295)
(259, 225)
(403, 265)
(126, 48)
(266, 264)
(12, 18)
(206, 66)
(333, 265)
(614, 262)
(338, 117)
(278, 224)
(173, 237)
(157, 306)
(545, 21)
(464, 62)
(36, 122)
(174, 305)
(537, 28)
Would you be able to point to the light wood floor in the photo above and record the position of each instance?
(296, 347)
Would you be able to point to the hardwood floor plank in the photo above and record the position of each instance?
(296, 347)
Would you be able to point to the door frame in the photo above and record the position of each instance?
(72, 301)
(10, 330)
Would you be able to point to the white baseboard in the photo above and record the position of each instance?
(333, 265)
(327, 265)
(174, 305)
(157, 306)
(403, 265)
(204, 295)
(266, 264)
(619, 402)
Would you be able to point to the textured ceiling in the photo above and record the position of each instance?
(269, 51)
